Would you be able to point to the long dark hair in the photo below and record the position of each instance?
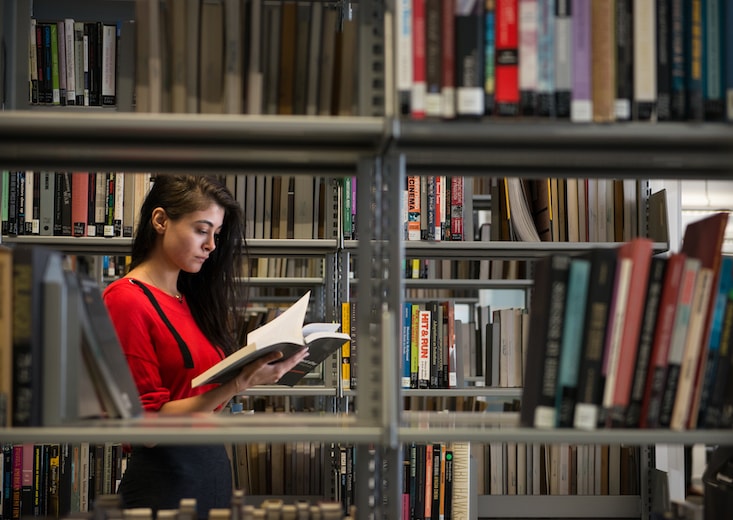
(216, 292)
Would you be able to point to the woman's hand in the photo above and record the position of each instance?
(264, 371)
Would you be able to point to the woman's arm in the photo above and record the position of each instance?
(259, 372)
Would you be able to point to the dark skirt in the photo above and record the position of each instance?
(159, 477)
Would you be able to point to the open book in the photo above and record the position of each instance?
(287, 334)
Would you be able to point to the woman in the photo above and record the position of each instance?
(174, 315)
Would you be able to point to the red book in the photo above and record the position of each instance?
(639, 250)
(506, 94)
(657, 373)
(419, 60)
(703, 239)
(79, 203)
(448, 60)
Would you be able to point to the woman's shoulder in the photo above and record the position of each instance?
(122, 287)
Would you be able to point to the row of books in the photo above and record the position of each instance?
(601, 61)
(619, 337)
(251, 56)
(73, 63)
(281, 469)
(79, 204)
(557, 469)
(56, 480)
(107, 204)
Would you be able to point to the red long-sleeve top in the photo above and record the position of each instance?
(152, 352)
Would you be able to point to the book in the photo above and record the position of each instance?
(590, 382)
(657, 370)
(704, 239)
(621, 368)
(103, 356)
(29, 266)
(572, 337)
(716, 341)
(287, 334)
(657, 272)
(545, 335)
(6, 338)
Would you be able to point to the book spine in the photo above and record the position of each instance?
(590, 383)
(469, 50)
(55, 86)
(544, 416)
(70, 61)
(61, 49)
(644, 60)
(433, 55)
(651, 308)
(404, 56)
(563, 58)
(506, 98)
(546, 58)
(581, 104)
(419, 60)
(694, 62)
(528, 54)
(712, 80)
(664, 59)
(448, 59)
(679, 333)
(489, 79)
(572, 336)
(603, 69)
(109, 67)
(728, 51)
(712, 412)
(625, 26)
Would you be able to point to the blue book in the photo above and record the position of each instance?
(725, 284)
(572, 340)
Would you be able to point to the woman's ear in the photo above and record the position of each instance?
(159, 220)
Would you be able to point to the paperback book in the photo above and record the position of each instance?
(287, 334)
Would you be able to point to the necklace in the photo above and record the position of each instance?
(178, 296)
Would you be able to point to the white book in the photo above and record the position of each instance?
(286, 334)
(109, 65)
(69, 46)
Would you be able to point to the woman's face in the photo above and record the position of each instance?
(188, 241)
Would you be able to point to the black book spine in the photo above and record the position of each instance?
(624, 59)
(664, 63)
(653, 294)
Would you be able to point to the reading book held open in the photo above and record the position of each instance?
(287, 334)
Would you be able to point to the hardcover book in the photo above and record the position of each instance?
(287, 334)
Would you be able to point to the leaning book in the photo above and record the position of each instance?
(287, 334)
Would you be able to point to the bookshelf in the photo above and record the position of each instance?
(380, 151)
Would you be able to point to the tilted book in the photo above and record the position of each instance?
(287, 334)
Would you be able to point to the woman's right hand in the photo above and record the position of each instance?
(264, 371)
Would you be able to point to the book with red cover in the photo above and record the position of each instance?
(657, 371)
(646, 338)
(621, 370)
(419, 61)
(506, 96)
(79, 203)
(703, 239)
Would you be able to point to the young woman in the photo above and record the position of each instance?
(174, 315)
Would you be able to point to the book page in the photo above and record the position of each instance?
(286, 328)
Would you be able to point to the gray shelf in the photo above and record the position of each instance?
(504, 427)
(275, 427)
(562, 506)
(525, 147)
(122, 246)
(196, 143)
(498, 250)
